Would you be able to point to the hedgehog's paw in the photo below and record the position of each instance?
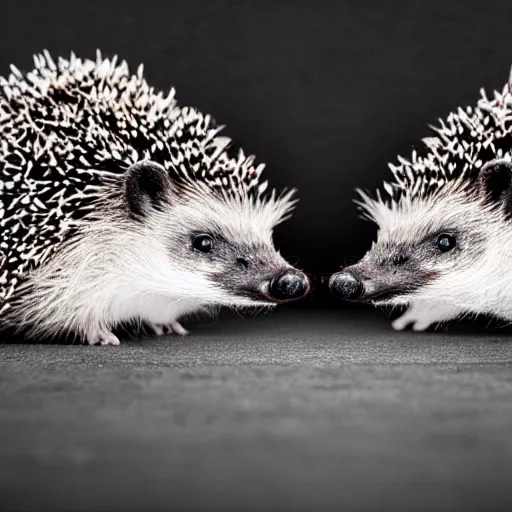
(403, 321)
(422, 315)
(102, 337)
(170, 328)
(159, 329)
(421, 319)
(179, 329)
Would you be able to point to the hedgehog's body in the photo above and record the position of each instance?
(111, 200)
(445, 237)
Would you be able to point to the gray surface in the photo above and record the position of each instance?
(303, 410)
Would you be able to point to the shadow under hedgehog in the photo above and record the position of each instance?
(117, 205)
(444, 244)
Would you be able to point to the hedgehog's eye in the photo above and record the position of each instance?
(446, 242)
(203, 243)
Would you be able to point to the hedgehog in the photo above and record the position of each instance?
(120, 207)
(444, 238)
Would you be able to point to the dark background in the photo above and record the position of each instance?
(326, 93)
(294, 411)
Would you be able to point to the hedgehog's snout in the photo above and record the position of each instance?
(345, 285)
(288, 285)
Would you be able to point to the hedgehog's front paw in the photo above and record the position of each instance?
(170, 328)
(423, 314)
(102, 337)
(411, 317)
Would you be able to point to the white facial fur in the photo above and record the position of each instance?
(471, 279)
(118, 270)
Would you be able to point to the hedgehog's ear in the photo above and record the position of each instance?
(147, 186)
(495, 182)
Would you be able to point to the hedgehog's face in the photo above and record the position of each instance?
(211, 248)
(448, 247)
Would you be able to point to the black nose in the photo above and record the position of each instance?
(345, 285)
(288, 285)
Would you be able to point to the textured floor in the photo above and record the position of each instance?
(304, 410)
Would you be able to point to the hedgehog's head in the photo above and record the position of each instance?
(207, 246)
(452, 245)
